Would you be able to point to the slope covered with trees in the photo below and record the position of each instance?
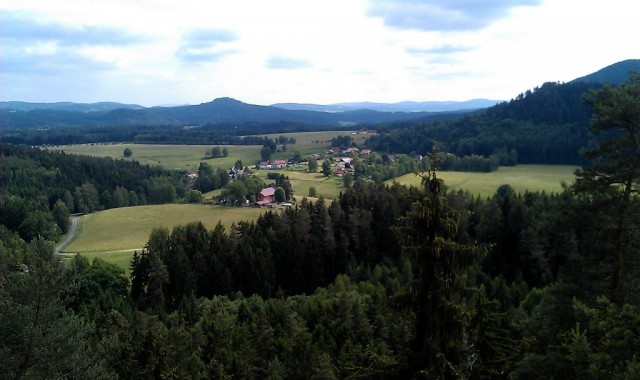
(384, 282)
(546, 125)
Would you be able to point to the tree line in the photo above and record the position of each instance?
(40, 188)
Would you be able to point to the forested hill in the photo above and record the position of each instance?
(614, 74)
(545, 125)
(216, 112)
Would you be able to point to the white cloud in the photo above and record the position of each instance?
(161, 51)
(443, 15)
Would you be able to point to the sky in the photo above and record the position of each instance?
(168, 52)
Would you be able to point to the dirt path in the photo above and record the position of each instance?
(70, 235)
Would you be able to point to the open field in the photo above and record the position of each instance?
(188, 157)
(301, 181)
(314, 142)
(184, 157)
(546, 178)
(120, 258)
(129, 227)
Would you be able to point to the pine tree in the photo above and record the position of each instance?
(615, 170)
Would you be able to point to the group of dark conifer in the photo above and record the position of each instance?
(384, 282)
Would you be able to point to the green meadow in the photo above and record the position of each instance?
(301, 181)
(547, 178)
(172, 157)
(188, 157)
(114, 234)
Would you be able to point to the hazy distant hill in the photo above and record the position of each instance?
(68, 106)
(432, 106)
(219, 111)
(614, 74)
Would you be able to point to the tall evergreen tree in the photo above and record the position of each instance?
(427, 234)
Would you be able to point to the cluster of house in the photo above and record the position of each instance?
(344, 164)
(277, 164)
(350, 150)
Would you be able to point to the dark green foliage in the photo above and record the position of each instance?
(127, 153)
(36, 327)
(615, 173)
(313, 165)
(427, 234)
(546, 125)
(265, 153)
(326, 168)
(39, 188)
(383, 282)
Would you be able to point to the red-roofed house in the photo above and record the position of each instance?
(266, 196)
(264, 165)
(279, 164)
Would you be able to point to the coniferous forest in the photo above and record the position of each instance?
(385, 282)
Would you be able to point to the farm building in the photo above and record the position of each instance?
(266, 196)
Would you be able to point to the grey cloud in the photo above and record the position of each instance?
(207, 37)
(23, 28)
(438, 50)
(280, 62)
(443, 15)
(65, 63)
(204, 45)
(203, 56)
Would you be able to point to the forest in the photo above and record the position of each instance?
(548, 125)
(385, 281)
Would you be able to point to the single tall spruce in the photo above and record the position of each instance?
(439, 348)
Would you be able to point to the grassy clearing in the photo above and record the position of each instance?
(183, 157)
(113, 235)
(129, 227)
(314, 142)
(301, 181)
(120, 258)
(546, 178)
(188, 157)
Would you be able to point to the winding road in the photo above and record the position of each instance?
(70, 235)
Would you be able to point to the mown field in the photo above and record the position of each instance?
(129, 227)
(188, 157)
(301, 181)
(114, 234)
(546, 178)
(171, 157)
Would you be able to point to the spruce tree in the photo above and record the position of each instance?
(427, 233)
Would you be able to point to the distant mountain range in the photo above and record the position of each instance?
(218, 111)
(230, 111)
(433, 106)
(614, 74)
(68, 106)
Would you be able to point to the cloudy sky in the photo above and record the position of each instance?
(158, 52)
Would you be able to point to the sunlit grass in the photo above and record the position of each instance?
(546, 178)
(129, 227)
